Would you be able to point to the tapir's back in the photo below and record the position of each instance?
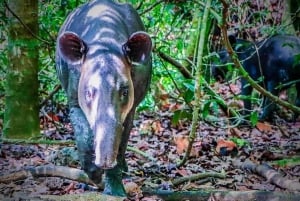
(103, 18)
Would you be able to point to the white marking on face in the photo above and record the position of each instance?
(98, 138)
(110, 80)
(95, 81)
(111, 112)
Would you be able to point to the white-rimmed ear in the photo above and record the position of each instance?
(138, 47)
(72, 48)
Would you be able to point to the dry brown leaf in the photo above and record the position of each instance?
(263, 126)
(229, 145)
(182, 172)
(181, 143)
(157, 128)
(236, 132)
(132, 188)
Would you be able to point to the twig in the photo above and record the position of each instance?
(186, 74)
(135, 150)
(195, 177)
(55, 90)
(197, 91)
(49, 171)
(38, 141)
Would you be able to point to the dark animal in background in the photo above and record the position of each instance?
(274, 61)
(103, 59)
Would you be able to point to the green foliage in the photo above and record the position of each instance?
(3, 56)
(254, 118)
(171, 25)
(51, 16)
(209, 106)
(180, 115)
(287, 162)
(240, 142)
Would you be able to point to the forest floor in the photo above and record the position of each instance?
(219, 153)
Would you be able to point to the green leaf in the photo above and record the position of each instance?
(254, 118)
(240, 142)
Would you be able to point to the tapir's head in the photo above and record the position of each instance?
(105, 89)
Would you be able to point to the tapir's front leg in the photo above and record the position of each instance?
(269, 106)
(84, 141)
(113, 182)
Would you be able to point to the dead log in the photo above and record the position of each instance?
(90, 196)
(205, 195)
(49, 171)
(269, 173)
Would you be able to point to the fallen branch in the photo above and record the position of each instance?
(205, 195)
(182, 69)
(270, 174)
(49, 171)
(38, 141)
(135, 150)
(195, 177)
(91, 196)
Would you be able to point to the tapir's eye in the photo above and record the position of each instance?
(124, 91)
(124, 94)
(90, 94)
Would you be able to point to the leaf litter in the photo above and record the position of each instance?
(154, 134)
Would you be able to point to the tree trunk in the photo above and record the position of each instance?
(21, 118)
(287, 19)
(295, 14)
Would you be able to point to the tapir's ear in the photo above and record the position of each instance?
(72, 47)
(138, 47)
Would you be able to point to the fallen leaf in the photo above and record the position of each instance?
(157, 128)
(132, 188)
(225, 147)
(181, 143)
(263, 126)
(236, 132)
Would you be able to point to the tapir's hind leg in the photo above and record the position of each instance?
(297, 102)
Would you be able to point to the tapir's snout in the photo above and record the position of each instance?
(106, 144)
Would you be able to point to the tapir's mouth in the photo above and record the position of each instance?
(106, 163)
(105, 155)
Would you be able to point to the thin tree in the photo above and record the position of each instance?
(21, 117)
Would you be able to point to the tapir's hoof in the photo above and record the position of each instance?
(115, 188)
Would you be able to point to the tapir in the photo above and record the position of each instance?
(103, 61)
(274, 62)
